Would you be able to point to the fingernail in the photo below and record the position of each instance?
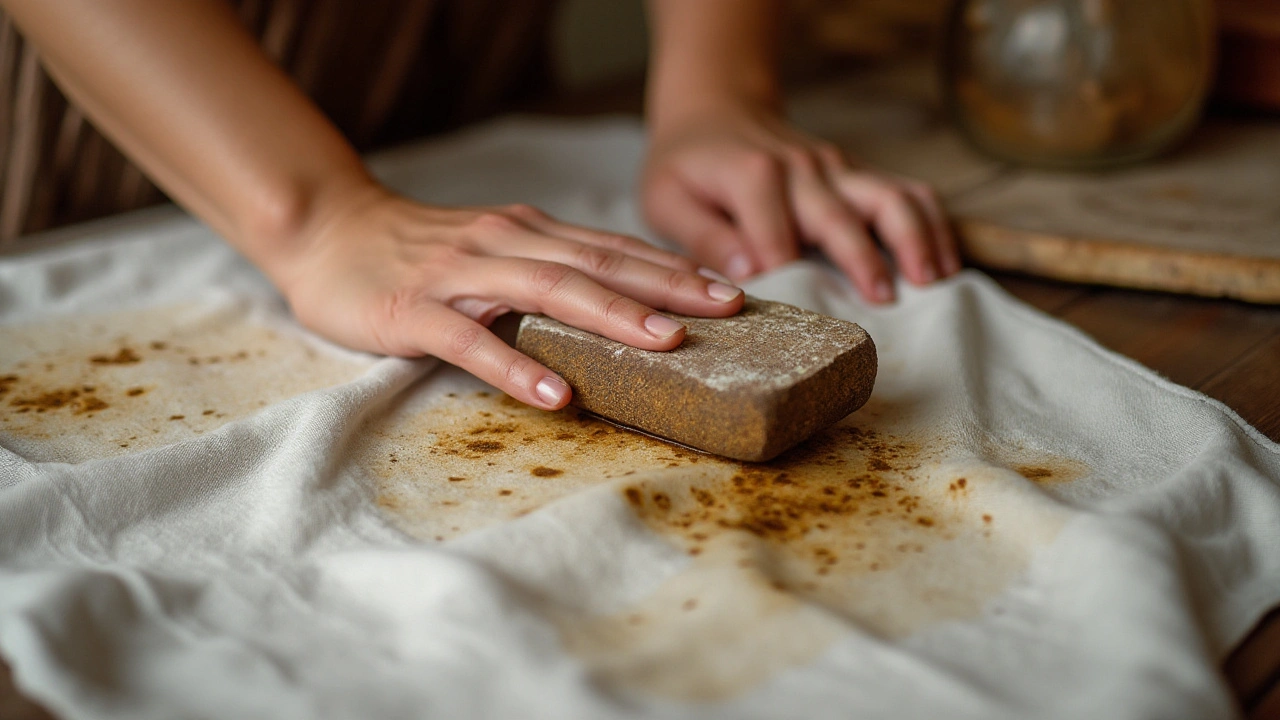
(661, 326)
(722, 293)
(884, 291)
(738, 267)
(710, 274)
(551, 389)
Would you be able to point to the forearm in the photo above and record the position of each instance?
(183, 89)
(707, 52)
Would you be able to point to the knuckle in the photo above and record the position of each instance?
(465, 341)
(494, 222)
(617, 311)
(831, 220)
(515, 370)
(549, 278)
(760, 166)
(676, 282)
(598, 261)
(891, 194)
(388, 322)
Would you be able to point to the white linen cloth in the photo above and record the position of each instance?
(242, 543)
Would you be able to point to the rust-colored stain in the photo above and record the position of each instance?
(97, 386)
(864, 524)
(1052, 470)
(826, 505)
(82, 400)
(124, 356)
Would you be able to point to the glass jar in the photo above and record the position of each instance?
(1077, 84)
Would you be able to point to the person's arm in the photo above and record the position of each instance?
(184, 90)
(728, 179)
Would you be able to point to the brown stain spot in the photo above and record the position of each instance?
(1032, 472)
(1051, 469)
(959, 485)
(126, 356)
(159, 345)
(177, 417)
(690, 604)
(208, 412)
(7, 382)
(135, 391)
(77, 400)
(456, 478)
(986, 518)
(485, 446)
(703, 497)
(545, 472)
(504, 492)
(834, 489)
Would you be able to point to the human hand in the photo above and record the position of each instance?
(392, 276)
(743, 192)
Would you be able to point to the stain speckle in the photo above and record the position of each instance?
(868, 522)
(125, 356)
(87, 391)
(545, 472)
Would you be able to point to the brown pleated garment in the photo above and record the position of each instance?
(383, 70)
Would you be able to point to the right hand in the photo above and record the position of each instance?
(392, 276)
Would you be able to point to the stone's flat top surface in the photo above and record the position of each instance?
(767, 346)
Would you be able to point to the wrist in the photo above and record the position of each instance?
(714, 106)
(287, 220)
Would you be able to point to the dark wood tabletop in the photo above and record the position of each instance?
(1226, 349)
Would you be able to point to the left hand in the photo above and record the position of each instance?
(743, 192)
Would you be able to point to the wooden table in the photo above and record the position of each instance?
(1225, 349)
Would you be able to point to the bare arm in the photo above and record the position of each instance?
(184, 90)
(729, 179)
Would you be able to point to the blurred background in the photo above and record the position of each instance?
(388, 71)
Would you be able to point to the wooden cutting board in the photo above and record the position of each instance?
(1204, 220)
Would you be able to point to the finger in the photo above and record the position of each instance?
(898, 221)
(829, 223)
(460, 341)
(568, 295)
(946, 249)
(677, 212)
(546, 224)
(654, 285)
(756, 198)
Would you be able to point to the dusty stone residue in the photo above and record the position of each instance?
(97, 386)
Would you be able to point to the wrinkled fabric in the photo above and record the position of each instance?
(206, 512)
